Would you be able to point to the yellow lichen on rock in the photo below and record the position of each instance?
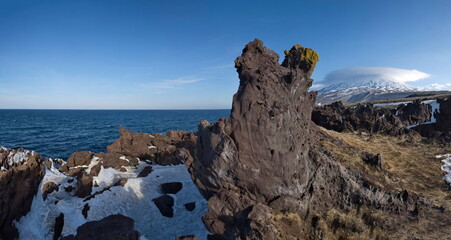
(305, 58)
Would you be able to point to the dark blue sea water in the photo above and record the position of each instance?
(59, 133)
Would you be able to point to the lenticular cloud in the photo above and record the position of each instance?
(362, 74)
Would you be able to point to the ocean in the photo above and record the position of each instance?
(59, 133)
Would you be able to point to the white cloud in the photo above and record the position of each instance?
(361, 74)
(437, 87)
(316, 87)
(174, 83)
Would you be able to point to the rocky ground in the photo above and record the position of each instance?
(268, 171)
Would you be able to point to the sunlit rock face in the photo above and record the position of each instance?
(266, 158)
(20, 174)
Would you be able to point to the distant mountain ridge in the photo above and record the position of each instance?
(367, 89)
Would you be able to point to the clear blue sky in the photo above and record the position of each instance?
(179, 54)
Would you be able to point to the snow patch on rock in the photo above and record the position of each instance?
(134, 200)
(446, 167)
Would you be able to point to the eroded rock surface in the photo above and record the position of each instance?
(169, 149)
(441, 129)
(20, 175)
(365, 117)
(265, 160)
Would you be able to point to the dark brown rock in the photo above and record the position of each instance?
(58, 228)
(112, 160)
(373, 159)
(171, 188)
(165, 203)
(85, 210)
(444, 115)
(190, 206)
(414, 113)
(69, 189)
(441, 129)
(113, 227)
(362, 117)
(84, 186)
(133, 144)
(79, 159)
(160, 149)
(266, 157)
(145, 172)
(121, 182)
(48, 188)
(188, 237)
(18, 186)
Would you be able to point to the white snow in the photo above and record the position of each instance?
(390, 104)
(133, 200)
(94, 161)
(17, 158)
(446, 167)
(435, 109)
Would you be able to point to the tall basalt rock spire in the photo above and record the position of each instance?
(266, 158)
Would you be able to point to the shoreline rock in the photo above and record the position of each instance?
(21, 174)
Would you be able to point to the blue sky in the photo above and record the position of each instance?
(179, 54)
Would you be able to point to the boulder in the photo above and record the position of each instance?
(171, 187)
(374, 160)
(160, 149)
(79, 159)
(145, 172)
(190, 206)
(136, 145)
(84, 186)
(48, 188)
(165, 204)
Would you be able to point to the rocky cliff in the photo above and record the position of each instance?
(20, 175)
(263, 168)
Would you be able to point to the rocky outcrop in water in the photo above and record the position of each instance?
(263, 169)
(20, 175)
(365, 117)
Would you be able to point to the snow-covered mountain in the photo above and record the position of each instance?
(361, 84)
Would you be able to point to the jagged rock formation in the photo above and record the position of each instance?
(365, 117)
(161, 149)
(263, 169)
(20, 175)
(441, 129)
(173, 148)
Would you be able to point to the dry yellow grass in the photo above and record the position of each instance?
(410, 164)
